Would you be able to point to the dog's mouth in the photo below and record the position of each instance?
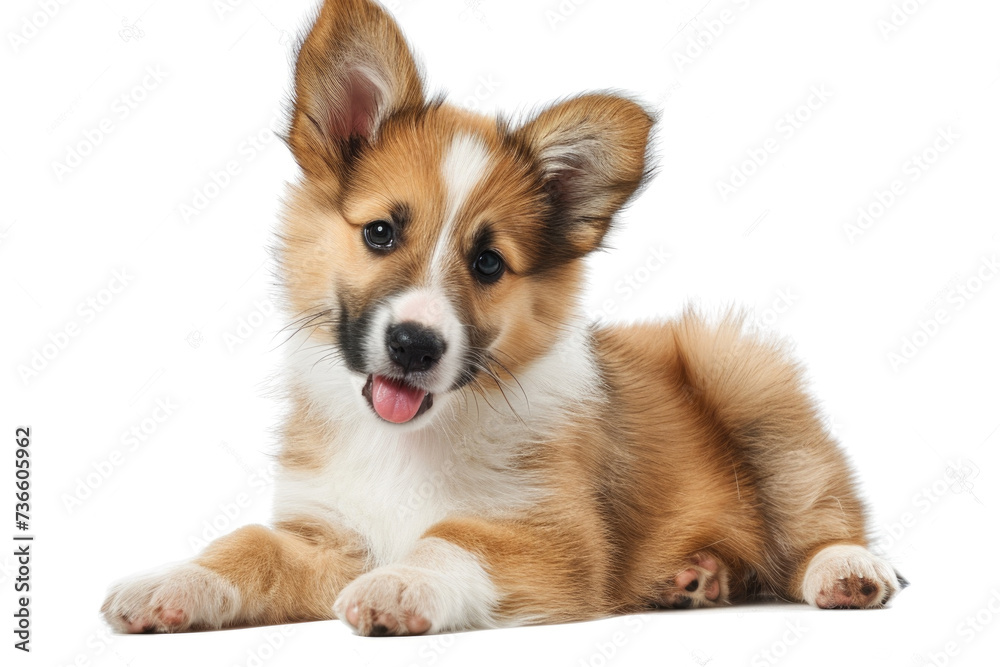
(394, 400)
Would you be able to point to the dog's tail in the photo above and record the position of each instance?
(752, 394)
(747, 381)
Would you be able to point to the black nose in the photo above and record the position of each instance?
(413, 347)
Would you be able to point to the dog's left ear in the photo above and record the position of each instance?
(354, 70)
(592, 153)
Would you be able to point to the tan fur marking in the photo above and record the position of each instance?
(657, 442)
(292, 573)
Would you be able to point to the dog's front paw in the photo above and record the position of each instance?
(439, 587)
(848, 576)
(174, 599)
(395, 600)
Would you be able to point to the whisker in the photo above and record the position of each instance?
(507, 400)
(492, 375)
(333, 353)
(478, 389)
(318, 324)
(302, 323)
(492, 359)
(300, 317)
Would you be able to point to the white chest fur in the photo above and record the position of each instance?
(391, 488)
(391, 485)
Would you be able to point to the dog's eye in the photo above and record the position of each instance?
(379, 234)
(488, 266)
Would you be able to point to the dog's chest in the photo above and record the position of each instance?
(391, 490)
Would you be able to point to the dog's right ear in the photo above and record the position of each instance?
(354, 69)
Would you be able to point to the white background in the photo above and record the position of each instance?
(923, 432)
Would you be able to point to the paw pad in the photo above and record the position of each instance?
(174, 599)
(847, 576)
(386, 601)
(704, 583)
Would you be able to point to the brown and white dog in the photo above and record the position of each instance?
(462, 450)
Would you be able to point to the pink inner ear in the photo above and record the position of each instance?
(356, 112)
(566, 185)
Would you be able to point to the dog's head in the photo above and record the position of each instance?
(429, 249)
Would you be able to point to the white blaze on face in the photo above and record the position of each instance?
(464, 166)
(422, 306)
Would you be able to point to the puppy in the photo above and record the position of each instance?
(462, 450)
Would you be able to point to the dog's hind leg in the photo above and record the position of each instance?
(704, 583)
(847, 576)
(811, 511)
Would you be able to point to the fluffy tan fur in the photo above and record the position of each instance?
(696, 449)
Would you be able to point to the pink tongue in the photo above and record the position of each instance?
(394, 401)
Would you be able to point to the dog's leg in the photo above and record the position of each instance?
(254, 576)
(703, 583)
(471, 573)
(812, 516)
(847, 576)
